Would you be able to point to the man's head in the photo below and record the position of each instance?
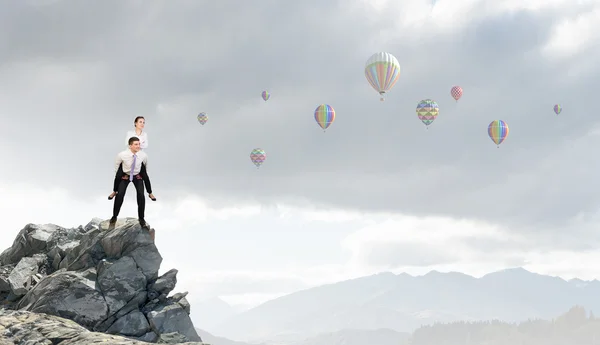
(134, 144)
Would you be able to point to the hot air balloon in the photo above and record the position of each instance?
(266, 95)
(498, 131)
(427, 110)
(456, 92)
(324, 115)
(557, 109)
(258, 157)
(202, 118)
(382, 71)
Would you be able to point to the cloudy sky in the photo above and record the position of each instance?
(376, 192)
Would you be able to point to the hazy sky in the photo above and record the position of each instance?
(376, 192)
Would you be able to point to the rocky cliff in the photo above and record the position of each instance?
(103, 278)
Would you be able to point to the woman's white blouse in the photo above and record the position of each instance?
(143, 138)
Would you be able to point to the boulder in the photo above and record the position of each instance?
(103, 278)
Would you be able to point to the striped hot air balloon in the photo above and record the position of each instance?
(266, 95)
(557, 109)
(324, 115)
(498, 131)
(382, 71)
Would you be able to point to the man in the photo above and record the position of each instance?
(131, 161)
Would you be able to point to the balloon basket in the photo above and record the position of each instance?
(382, 99)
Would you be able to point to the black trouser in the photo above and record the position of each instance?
(139, 188)
(143, 174)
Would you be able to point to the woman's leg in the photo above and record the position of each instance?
(118, 177)
(147, 183)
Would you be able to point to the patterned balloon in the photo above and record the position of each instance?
(202, 118)
(498, 131)
(427, 110)
(266, 95)
(557, 109)
(258, 157)
(382, 71)
(456, 92)
(324, 115)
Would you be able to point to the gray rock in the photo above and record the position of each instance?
(132, 240)
(70, 295)
(21, 327)
(20, 277)
(149, 337)
(119, 281)
(134, 304)
(178, 296)
(133, 324)
(165, 283)
(172, 318)
(172, 338)
(185, 305)
(33, 239)
(103, 278)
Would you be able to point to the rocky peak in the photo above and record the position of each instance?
(104, 278)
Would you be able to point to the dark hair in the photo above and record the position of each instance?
(137, 118)
(133, 140)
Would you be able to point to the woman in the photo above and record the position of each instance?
(139, 124)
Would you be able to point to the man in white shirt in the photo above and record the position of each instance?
(131, 160)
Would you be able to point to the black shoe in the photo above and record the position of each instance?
(113, 220)
(143, 224)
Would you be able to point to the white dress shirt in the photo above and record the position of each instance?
(143, 138)
(126, 157)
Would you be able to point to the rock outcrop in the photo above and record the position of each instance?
(103, 278)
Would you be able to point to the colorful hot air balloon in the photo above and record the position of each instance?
(324, 115)
(382, 71)
(202, 118)
(427, 110)
(498, 131)
(456, 92)
(258, 157)
(557, 109)
(266, 95)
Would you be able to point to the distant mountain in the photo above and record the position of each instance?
(345, 337)
(358, 337)
(403, 303)
(214, 340)
(213, 311)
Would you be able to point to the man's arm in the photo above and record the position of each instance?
(145, 161)
(118, 162)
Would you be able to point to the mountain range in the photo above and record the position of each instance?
(400, 303)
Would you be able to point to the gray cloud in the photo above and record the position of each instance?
(80, 75)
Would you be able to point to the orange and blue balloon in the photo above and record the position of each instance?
(324, 115)
(498, 131)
